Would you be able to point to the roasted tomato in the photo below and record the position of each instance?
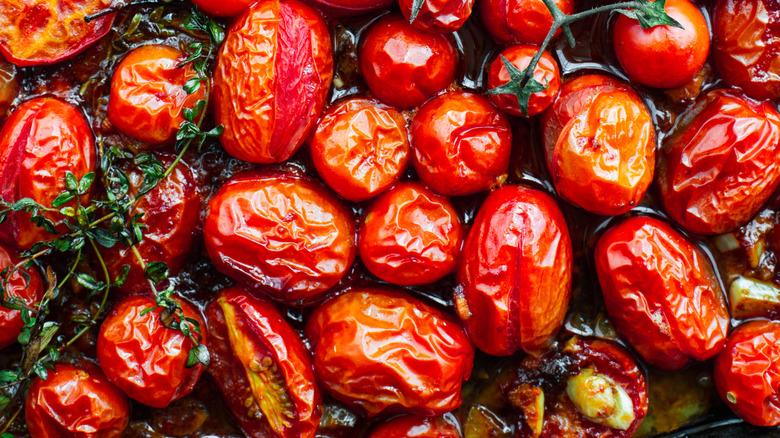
(272, 75)
(223, 8)
(360, 148)
(462, 144)
(747, 372)
(29, 291)
(514, 275)
(404, 66)
(409, 426)
(41, 141)
(546, 72)
(384, 351)
(147, 93)
(439, 16)
(663, 56)
(661, 293)
(262, 367)
(144, 358)
(280, 233)
(340, 8)
(9, 86)
(410, 236)
(720, 163)
(75, 402)
(520, 21)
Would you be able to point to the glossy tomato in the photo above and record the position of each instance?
(546, 73)
(30, 291)
(272, 75)
(262, 367)
(223, 8)
(409, 426)
(439, 16)
(384, 351)
(9, 86)
(520, 21)
(340, 8)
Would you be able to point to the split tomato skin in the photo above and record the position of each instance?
(520, 21)
(30, 292)
(546, 73)
(410, 426)
(438, 16)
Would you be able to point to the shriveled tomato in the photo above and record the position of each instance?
(360, 147)
(384, 351)
(720, 163)
(340, 8)
(223, 8)
(410, 426)
(14, 285)
(280, 233)
(144, 358)
(404, 66)
(520, 21)
(410, 236)
(272, 75)
(514, 275)
(262, 367)
(747, 372)
(439, 16)
(462, 144)
(41, 141)
(75, 401)
(546, 72)
(9, 86)
(661, 293)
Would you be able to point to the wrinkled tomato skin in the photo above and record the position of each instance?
(663, 56)
(345, 8)
(462, 144)
(42, 140)
(720, 163)
(360, 147)
(147, 93)
(258, 320)
(223, 8)
(546, 72)
(145, 359)
(747, 372)
(410, 236)
(410, 426)
(404, 66)
(30, 292)
(75, 402)
(514, 275)
(272, 76)
(520, 21)
(438, 16)
(424, 358)
(281, 234)
(661, 293)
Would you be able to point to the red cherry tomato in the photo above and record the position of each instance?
(262, 367)
(661, 293)
(514, 275)
(462, 144)
(272, 75)
(410, 426)
(546, 73)
(410, 236)
(747, 372)
(438, 16)
(404, 66)
(280, 233)
(360, 148)
(75, 402)
(520, 21)
(720, 163)
(29, 291)
(341, 8)
(223, 8)
(145, 359)
(384, 351)
(42, 140)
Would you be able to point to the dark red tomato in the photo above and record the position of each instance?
(262, 367)
(462, 144)
(514, 275)
(409, 426)
(75, 402)
(145, 359)
(341, 8)
(223, 8)
(42, 140)
(147, 93)
(279, 233)
(360, 147)
(404, 66)
(747, 372)
(30, 292)
(661, 293)
(520, 21)
(439, 16)
(272, 75)
(9, 86)
(720, 163)
(384, 351)
(410, 236)
(546, 73)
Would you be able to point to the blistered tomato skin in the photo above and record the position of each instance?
(520, 21)
(438, 16)
(262, 367)
(404, 66)
(720, 163)
(461, 143)
(546, 73)
(342, 8)
(417, 427)
(42, 140)
(384, 351)
(75, 402)
(514, 276)
(30, 292)
(747, 372)
(410, 236)
(142, 357)
(360, 147)
(272, 76)
(281, 234)
(661, 293)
